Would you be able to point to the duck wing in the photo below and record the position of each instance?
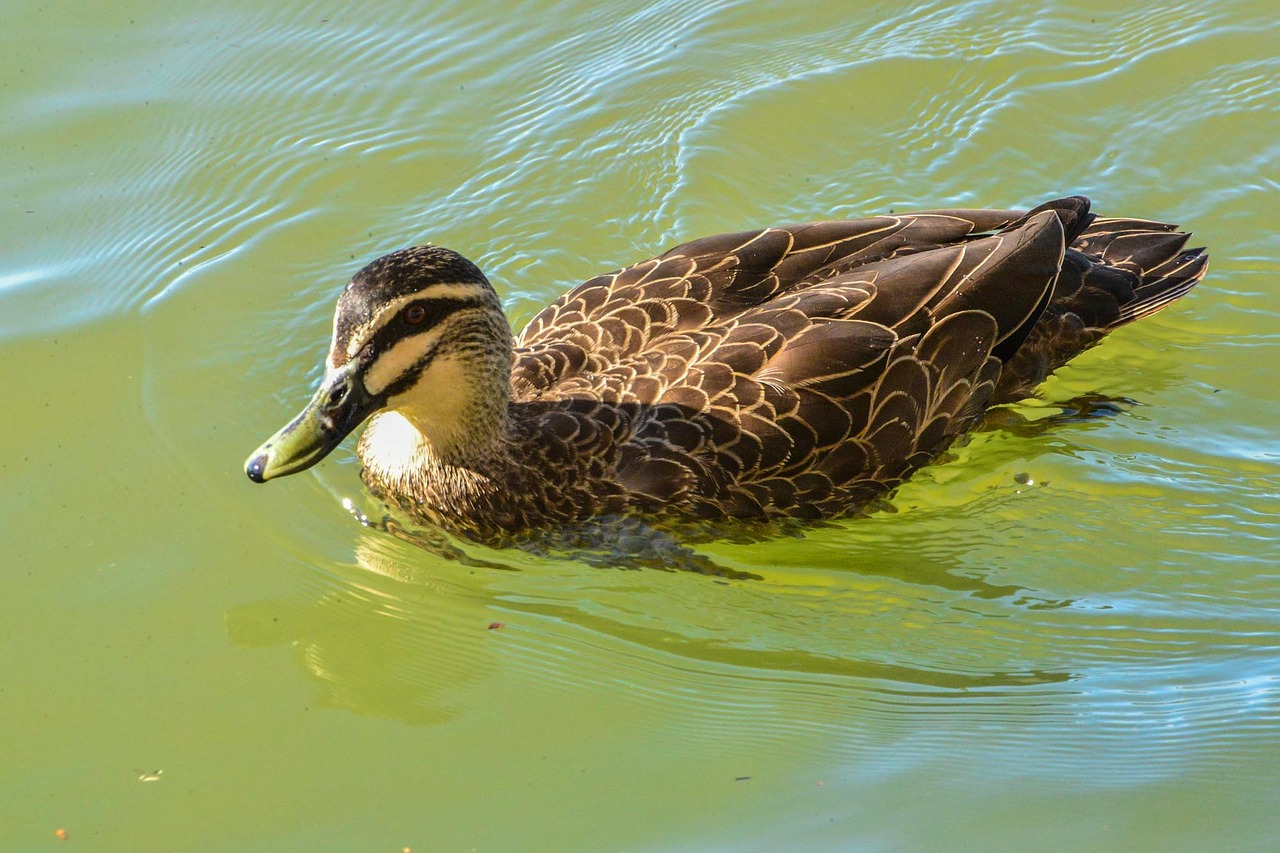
(802, 370)
(706, 283)
(838, 388)
(795, 370)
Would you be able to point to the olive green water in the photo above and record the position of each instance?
(190, 662)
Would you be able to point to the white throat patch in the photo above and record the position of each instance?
(439, 404)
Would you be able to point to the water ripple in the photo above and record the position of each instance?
(893, 632)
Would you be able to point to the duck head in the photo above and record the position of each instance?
(419, 332)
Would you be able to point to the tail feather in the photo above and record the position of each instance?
(1115, 271)
(1149, 257)
(1164, 283)
(1142, 252)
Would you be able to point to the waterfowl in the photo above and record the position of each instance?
(789, 372)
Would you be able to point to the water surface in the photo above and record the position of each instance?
(1088, 660)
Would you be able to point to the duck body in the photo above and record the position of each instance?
(791, 372)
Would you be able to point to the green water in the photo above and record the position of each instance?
(192, 662)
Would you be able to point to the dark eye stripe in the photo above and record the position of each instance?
(410, 376)
(396, 329)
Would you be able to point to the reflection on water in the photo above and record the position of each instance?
(398, 636)
(393, 642)
(894, 653)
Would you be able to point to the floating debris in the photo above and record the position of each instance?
(61, 834)
(1024, 479)
(153, 776)
(494, 626)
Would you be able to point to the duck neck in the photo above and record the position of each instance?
(456, 419)
(449, 440)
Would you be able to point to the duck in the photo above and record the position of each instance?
(795, 372)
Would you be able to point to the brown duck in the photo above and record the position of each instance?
(790, 372)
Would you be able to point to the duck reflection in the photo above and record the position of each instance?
(416, 622)
(386, 637)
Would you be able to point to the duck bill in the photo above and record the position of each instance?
(340, 404)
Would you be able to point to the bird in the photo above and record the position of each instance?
(795, 372)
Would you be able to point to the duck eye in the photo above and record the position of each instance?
(414, 315)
